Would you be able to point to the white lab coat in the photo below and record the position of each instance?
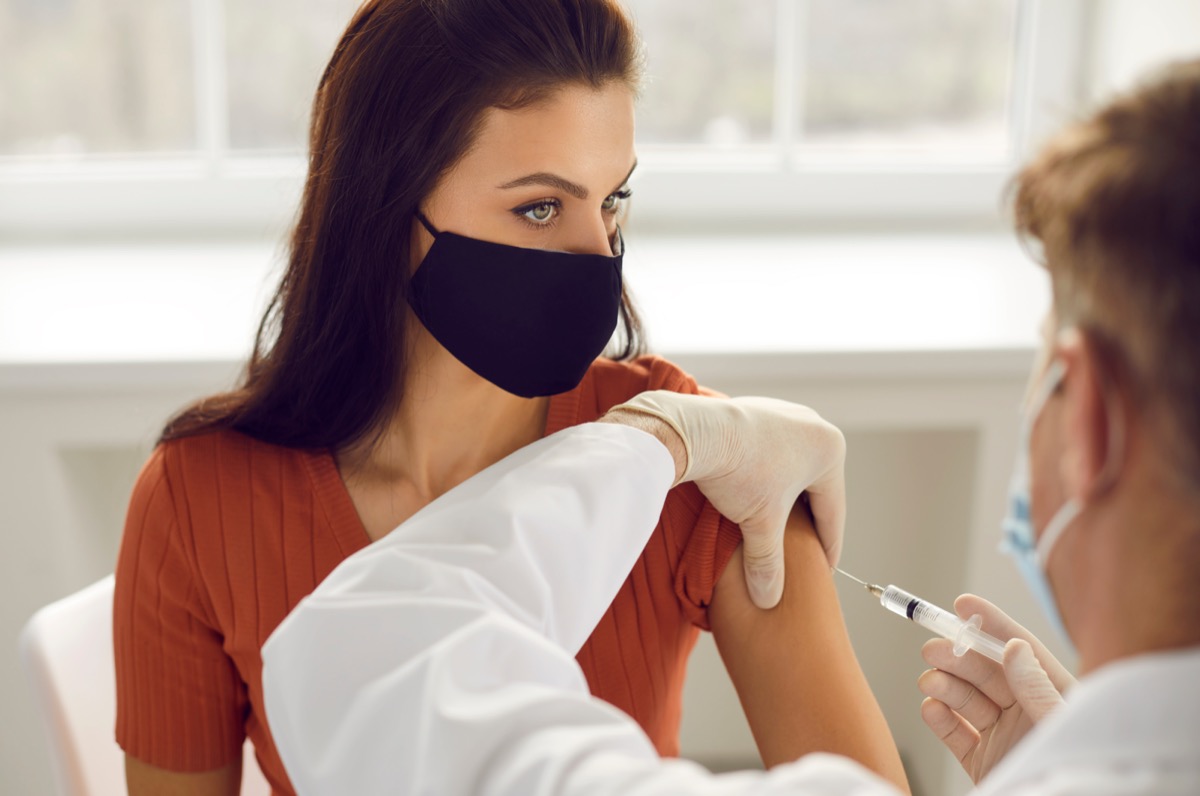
(1129, 727)
(439, 660)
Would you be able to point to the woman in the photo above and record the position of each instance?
(468, 162)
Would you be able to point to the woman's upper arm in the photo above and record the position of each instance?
(793, 666)
(142, 779)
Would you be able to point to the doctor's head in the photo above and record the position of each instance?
(502, 121)
(1114, 412)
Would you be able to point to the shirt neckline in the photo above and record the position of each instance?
(334, 497)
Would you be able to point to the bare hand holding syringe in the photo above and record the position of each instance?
(965, 633)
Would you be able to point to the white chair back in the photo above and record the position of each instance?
(67, 651)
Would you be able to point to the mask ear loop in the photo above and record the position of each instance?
(1112, 409)
(425, 223)
(1052, 379)
(618, 243)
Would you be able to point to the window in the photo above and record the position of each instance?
(96, 77)
(162, 77)
(861, 79)
(124, 116)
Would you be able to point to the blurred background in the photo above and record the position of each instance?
(132, 77)
(818, 216)
(175, 117)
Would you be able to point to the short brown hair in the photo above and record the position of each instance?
(1115, 203)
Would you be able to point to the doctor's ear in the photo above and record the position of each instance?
(1094, 415)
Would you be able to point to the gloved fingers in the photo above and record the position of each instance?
(995, 621)
(762, 556)
(961, 697)
(1029, 681)
(1004, 627)
(985, 675)
(951, 729)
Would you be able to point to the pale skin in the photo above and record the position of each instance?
(552, 176)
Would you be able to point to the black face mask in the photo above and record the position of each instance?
(529, 321)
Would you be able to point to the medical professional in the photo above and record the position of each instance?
(497, 583)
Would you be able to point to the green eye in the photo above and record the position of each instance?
(612, 203)
(540, 214)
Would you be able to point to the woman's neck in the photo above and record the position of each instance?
(450, 424)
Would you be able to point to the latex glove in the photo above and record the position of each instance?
(752, 458)
(977, 714)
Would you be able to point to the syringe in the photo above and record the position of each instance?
(965, 633)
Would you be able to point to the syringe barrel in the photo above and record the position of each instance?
(964, 633)
(899, 601)
(925, 614)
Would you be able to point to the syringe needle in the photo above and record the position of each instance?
(847, 574)
(871, 587)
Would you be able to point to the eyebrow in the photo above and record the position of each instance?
(561, 183)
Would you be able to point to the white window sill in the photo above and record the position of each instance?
(863, 305)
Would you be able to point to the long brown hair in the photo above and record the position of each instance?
(400, 102)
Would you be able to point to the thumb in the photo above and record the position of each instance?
(762, 557)
(1028, 680)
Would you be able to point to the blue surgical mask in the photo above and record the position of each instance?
(1030, 554)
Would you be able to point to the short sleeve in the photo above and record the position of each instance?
(181, 704)
(708, 542)
(704, 539)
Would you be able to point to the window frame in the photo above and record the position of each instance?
(212, 193)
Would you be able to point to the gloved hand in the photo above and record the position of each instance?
(752, 458)
(980, 716)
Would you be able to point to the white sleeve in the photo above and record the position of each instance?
(439, 660)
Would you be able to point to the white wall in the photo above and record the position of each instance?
(1132, 37)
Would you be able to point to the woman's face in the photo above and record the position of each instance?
(548, 176)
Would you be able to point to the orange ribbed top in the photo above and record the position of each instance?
(226, 534)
